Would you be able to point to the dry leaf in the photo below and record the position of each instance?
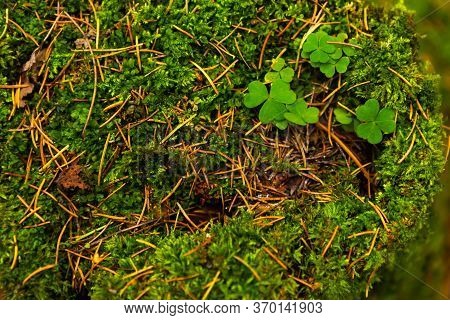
(70, 178)
(23, 92)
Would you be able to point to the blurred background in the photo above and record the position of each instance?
(424, 273)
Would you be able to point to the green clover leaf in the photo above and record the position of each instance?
(369, 111)
(343, 117)
(348, 50)
(330, 54)
(282, 125)
(370, 132)
(278, 64)
(272, 111)
(287, 74)
(386, 121)
(271, 76)
(257, 94)
(300, 114)
(374, 123)
(317, 49)
(342, 64)
(328, 69)
(282, 92)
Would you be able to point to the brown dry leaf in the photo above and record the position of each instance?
(37, 58)
(23, 92)
(82, 43)
(70, 178)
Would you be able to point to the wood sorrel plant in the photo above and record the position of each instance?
(281, 106)
(330, 54)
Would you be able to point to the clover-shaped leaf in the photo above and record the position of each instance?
(279, 72)
(343, 117)
(369, 111)
(330, 54)
(328, 69)
(317, 48)
(271, 76)
(282, 92)
(257, 94)
(337, 54)
(282, 124)
(278, 64)
(342, 64)
(272, 111)
(370, 132)
(374, 122)
(287, 74)
(349, 50)
(300, 114)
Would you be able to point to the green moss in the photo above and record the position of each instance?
(325, 240)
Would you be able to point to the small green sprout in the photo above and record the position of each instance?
(374, 122)
(346, 120)
(343, 117)
(330, 54)
(280, 71)
(279, 106)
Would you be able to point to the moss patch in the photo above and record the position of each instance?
(130, 167)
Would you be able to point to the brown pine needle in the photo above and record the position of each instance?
(211, 285)
(138, 54)
(346, 149)
(148, 244)
(358, 85)
(261, 56)
(249, 267)
(330, 241)
(303, 282)
(102, 159)
(400, 76)
(58, 243)
(381, 214)
(207, 77)
(448, 149)
(172, 191)
(178, 127)
(16, 253)
(94, 95)
(123, 103)
(409, 149)
(14, 86)
(421, 109)
(37, 271)
(59, 153)
(274, 257)
(187, 217)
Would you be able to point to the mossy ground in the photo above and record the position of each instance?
(126, 173)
